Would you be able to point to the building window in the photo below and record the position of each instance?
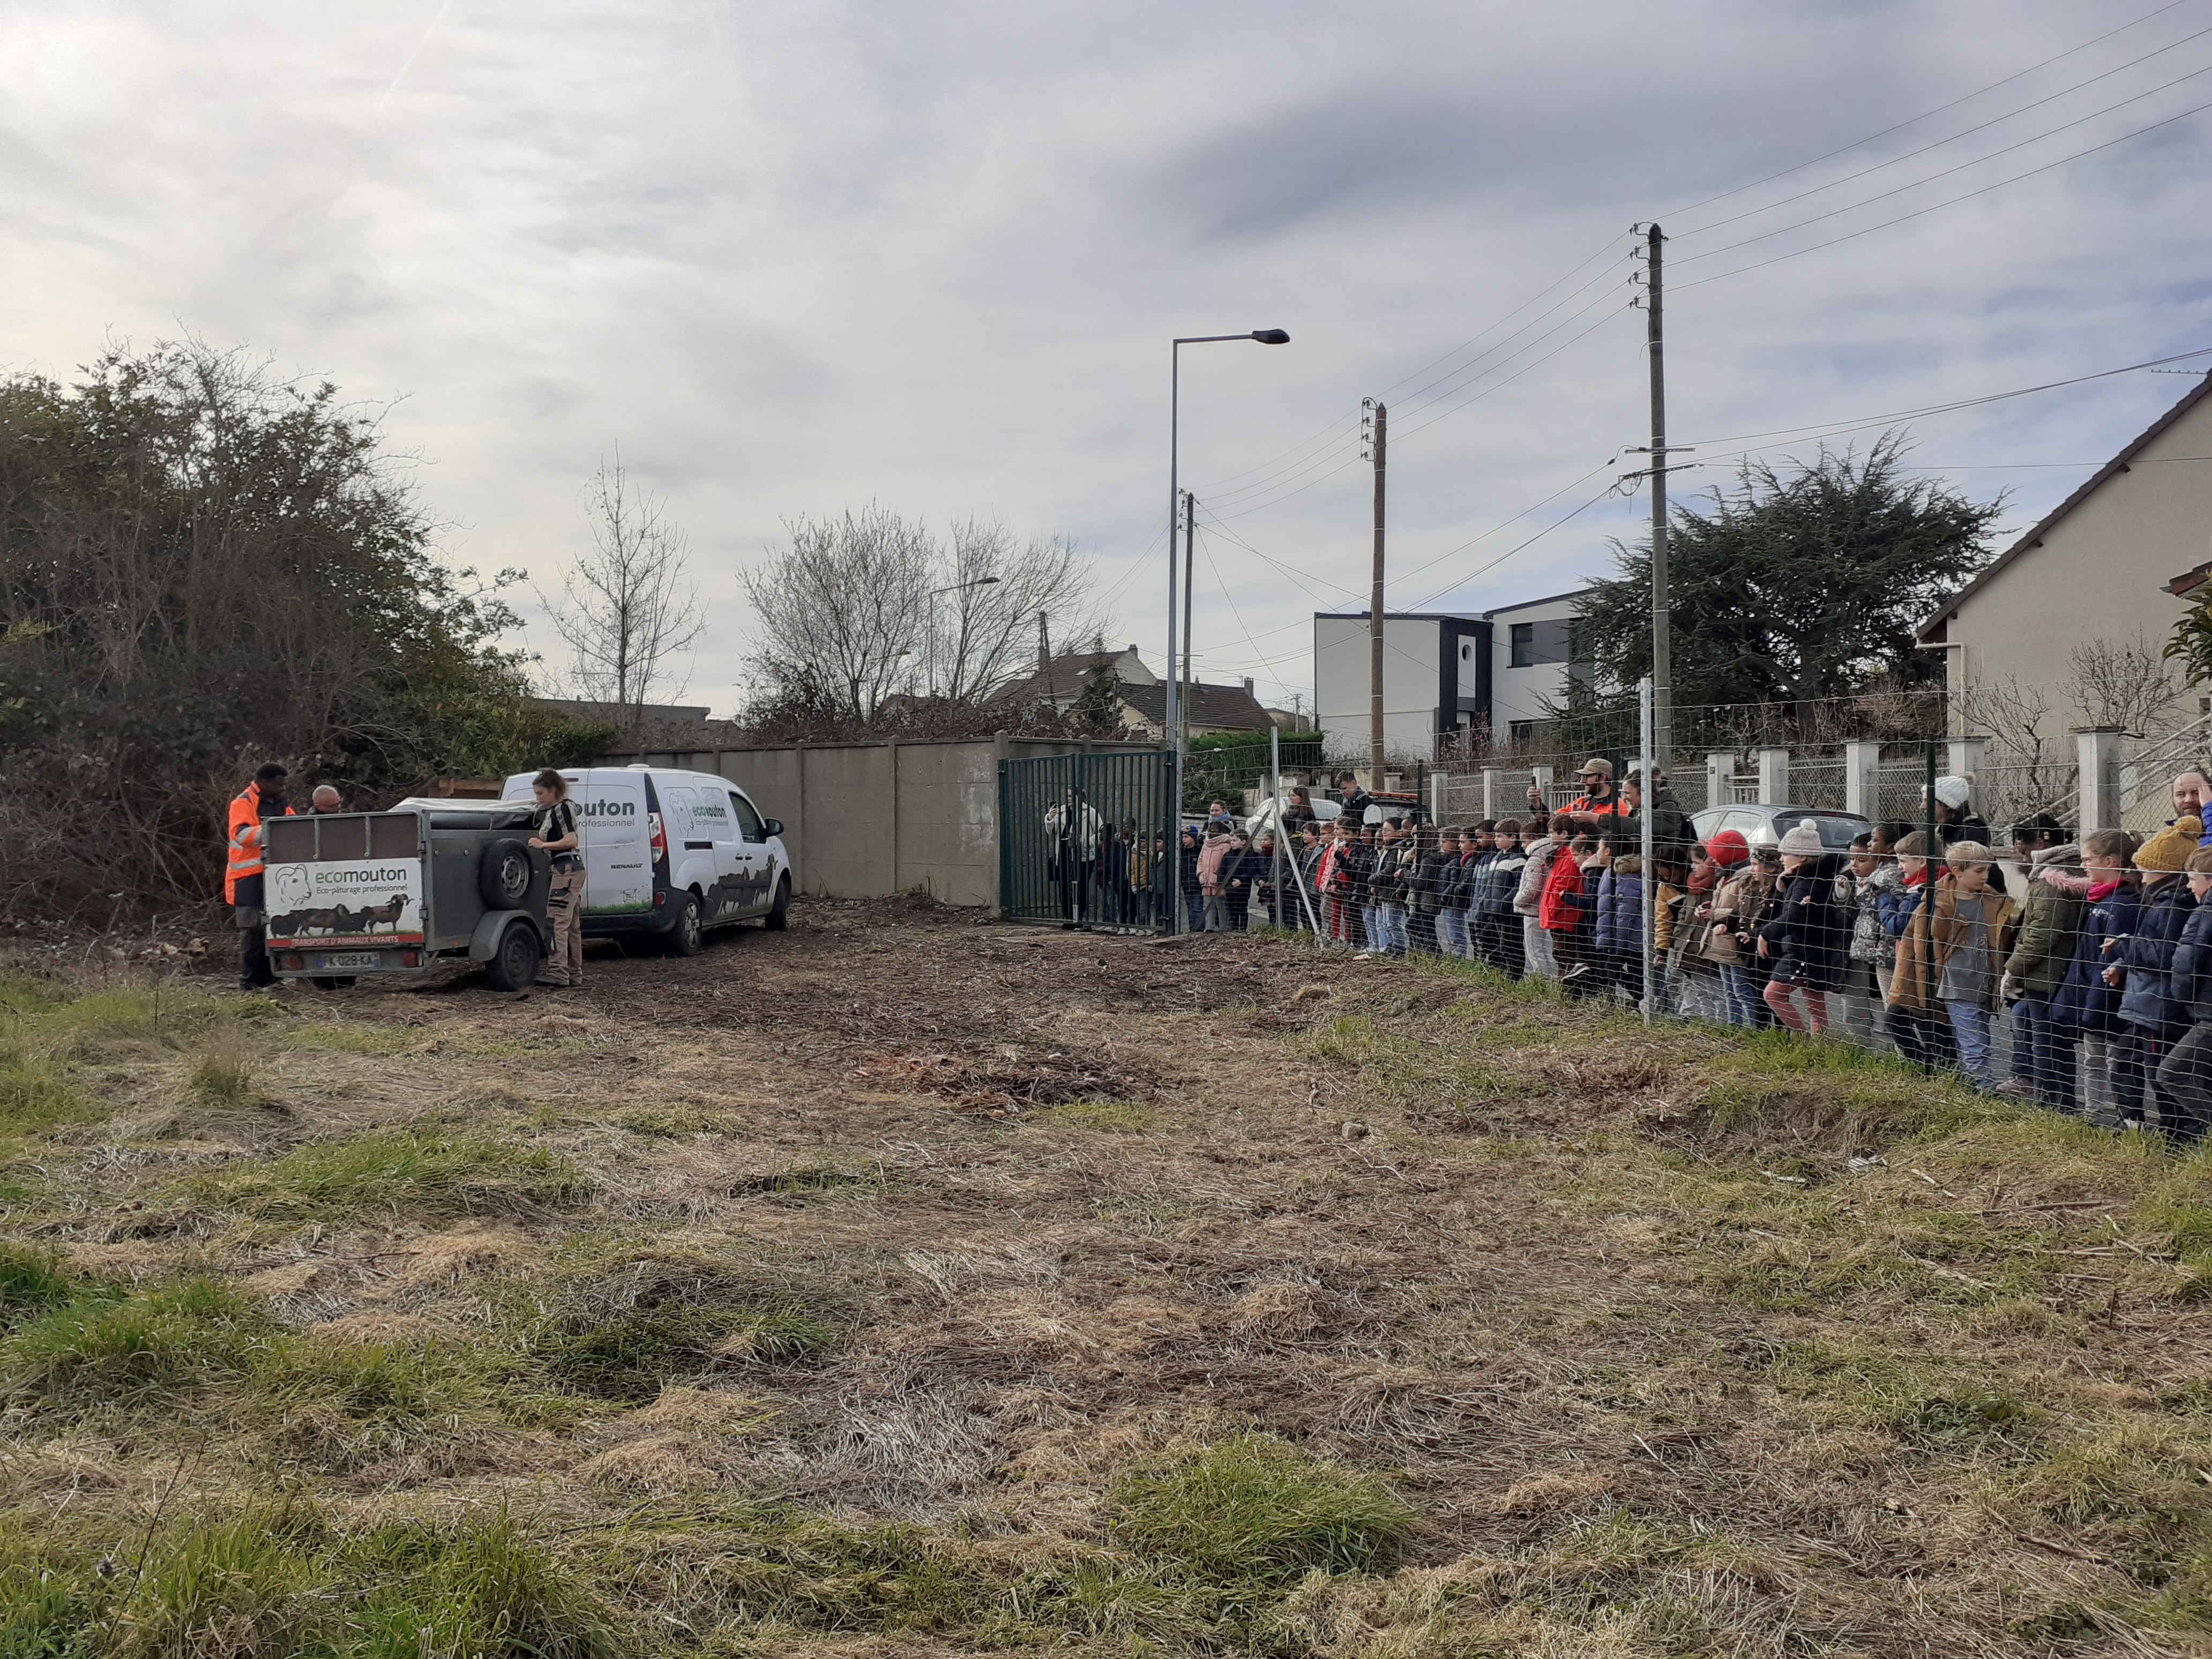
(1535, 643)
(1519, 731)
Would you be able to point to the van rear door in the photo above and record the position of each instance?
(611, 812)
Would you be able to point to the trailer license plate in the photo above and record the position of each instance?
(338, 961)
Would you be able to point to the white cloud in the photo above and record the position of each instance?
(796, 257)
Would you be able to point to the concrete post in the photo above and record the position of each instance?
(2097, 751)
(1862, 777)
(1720, 779)
(1439, 788)
(893, 838)
(1964, 758)
(1493, 792)
(1773, 777)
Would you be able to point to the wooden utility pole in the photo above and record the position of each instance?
(1044, 656)
(1663, 678)
(1379, 449)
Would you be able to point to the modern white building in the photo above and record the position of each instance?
(1441, 671)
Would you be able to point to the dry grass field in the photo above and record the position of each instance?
(908, 1284)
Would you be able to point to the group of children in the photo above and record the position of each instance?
(2099, 968)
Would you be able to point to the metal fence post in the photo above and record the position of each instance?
(1650, 876)
(1862, 777)
(2097, 751)
(1774, 777)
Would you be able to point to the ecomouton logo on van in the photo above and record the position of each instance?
(602, 809)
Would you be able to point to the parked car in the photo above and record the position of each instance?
(1764, 826)
(1263, 821)
(672, 854)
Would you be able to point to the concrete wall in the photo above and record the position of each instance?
(862, 820)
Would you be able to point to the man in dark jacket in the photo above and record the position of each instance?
(2184, 1076)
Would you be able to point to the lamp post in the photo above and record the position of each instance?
(979, 581)
(1265, 336)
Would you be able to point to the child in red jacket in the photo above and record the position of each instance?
(1564, 913)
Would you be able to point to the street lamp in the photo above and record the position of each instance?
(979, 581)
(1265, 336)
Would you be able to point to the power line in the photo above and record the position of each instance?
(1798, 433)
(2033, 138)
(1857, 143)
(1816, 247)
(1938, 143)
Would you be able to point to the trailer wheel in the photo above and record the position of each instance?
(688, 932)
(503, 875)
(779, 915)
(514, 966)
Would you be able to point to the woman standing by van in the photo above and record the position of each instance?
(555, 832)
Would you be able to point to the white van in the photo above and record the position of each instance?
(672, 853)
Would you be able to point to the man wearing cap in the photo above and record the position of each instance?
(1601, 798)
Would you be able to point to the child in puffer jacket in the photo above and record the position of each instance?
(2084, 1007)
(2185, 1077)
(2151, 1021)
(1498, 931)
(1620, 936)
(1529, 899)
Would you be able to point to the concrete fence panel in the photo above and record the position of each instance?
(862, 820)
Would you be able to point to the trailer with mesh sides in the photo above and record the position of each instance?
(429, 884)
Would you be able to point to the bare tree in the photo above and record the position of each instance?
(628, 611)
(2123, 683)
(979, 633)
(841, 610)
(869, 605)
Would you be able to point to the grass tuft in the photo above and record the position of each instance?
(419, 1173)
(148, 1343)
(1255, 1510)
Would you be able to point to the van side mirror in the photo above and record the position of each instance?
(772, 826)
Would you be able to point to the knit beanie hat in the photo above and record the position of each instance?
(1728, 848)
(2169, 849)
(1953, 791)
(1803, 842)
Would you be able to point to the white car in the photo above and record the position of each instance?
(672, 853)
(1263, 821)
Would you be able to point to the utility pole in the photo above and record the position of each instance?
(1378, 442)
(1189, 594)
(1044, 658)
(1662, 677)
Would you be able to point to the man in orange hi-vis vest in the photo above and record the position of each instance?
(242, 882)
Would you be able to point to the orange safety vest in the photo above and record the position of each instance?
(244, 840)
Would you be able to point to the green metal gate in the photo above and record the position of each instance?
(1082, 840)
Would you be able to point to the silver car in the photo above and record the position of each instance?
(1765, 826)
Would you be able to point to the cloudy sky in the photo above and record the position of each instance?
(796, 257)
